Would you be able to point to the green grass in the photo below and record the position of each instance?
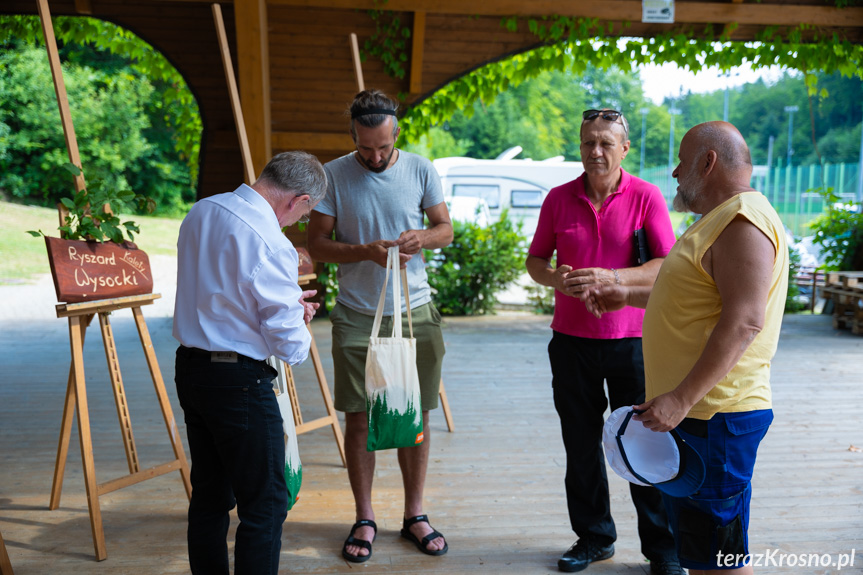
(24, 257)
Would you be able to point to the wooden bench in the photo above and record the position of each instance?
(845, 290)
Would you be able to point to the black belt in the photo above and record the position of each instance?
(219, 356)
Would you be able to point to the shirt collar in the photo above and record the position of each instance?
(258, 202)
(625, 180)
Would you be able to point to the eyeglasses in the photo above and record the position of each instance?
(607, 115)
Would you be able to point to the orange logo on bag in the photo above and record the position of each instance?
(419, 438)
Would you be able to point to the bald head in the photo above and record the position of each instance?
(723, 138)
(715, 164)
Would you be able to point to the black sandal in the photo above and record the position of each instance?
(422, 545)
(362, 543)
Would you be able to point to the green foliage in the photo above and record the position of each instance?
(574, 44)
(793, 303)
(93, 212)
(540, 298)
(330, 280)
(389, 42)
(480, 263)
(136, 121)
(839, 232)
(438, 143)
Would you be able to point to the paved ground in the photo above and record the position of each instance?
(494, 487)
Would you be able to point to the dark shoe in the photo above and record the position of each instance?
(666, 568)
(422, 545)
(583, 553)
(351, 540)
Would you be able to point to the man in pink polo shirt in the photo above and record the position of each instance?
(591, 223)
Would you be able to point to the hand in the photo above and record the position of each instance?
(662, 413)
(309, 308)
(409, 242)
(378, 253)
(581, 279)
(558, 281)
(600, 299)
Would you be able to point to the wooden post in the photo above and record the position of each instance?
(253, 71)
(417, 50)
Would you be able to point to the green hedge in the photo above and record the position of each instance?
(480, 263)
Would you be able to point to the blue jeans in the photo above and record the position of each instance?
(237, 447)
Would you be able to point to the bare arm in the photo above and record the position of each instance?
(644, 275)
(542, 273)
(323, 248)
(741, 264)
(438, 235)
(600, 299)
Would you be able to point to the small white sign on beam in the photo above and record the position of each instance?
(657, 11)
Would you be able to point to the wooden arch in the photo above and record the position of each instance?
(294, 60)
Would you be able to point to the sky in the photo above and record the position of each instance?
(669, 79)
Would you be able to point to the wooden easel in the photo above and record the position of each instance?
(80, 315)
(287, 375)
(5, 564)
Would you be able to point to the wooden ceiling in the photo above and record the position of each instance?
(295, 70)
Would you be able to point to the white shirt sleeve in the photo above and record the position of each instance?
(281, 313)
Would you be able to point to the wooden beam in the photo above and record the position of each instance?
(419, 36)
(83, 7)
(339, 142)
(685, 12)
(253, 67)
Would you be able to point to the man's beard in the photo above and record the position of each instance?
(688, 190)
(383, 166)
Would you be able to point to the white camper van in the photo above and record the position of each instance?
(519, 185)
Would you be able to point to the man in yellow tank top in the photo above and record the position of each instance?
(711, 329)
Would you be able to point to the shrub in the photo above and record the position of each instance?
(839, 232)
(480, 263)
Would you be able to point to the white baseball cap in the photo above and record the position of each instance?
(644, 457)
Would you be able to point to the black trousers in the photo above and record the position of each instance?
(579, 366)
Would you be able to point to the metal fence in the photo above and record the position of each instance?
(790, 190)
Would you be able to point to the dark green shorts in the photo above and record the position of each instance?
(351, 333)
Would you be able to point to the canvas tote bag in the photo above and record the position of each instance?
(293, 466)
(392, 382)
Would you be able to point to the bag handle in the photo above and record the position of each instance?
(393, 265)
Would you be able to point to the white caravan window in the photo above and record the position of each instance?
(491, 194)
(526, 199)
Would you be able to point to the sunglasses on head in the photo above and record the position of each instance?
(607, 115)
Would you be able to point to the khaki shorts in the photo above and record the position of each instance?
(351, 333)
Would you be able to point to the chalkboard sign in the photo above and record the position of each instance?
(89, 271)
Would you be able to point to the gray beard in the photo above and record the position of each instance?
(679, 204)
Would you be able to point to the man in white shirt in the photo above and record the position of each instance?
(238, 303)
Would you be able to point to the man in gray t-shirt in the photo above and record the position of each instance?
(376, 198)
